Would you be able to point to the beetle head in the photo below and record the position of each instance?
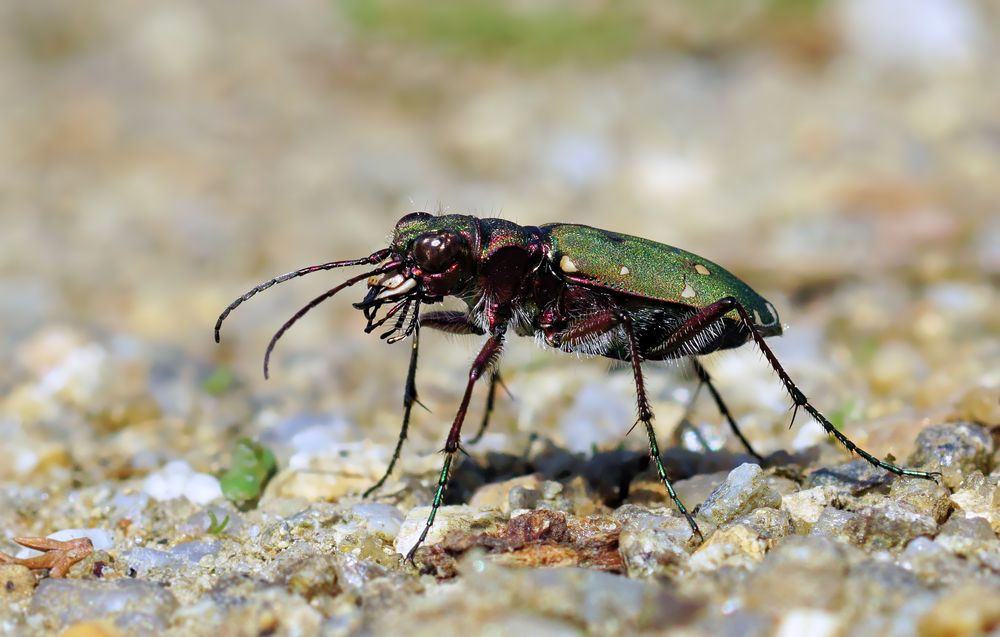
(436, 255)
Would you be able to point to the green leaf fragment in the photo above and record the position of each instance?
(219, 381)
(253, 466)
(216, 527)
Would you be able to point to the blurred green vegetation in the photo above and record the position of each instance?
(542, 33)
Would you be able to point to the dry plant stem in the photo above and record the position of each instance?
(59, 556)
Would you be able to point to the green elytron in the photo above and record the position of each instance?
(577, 289)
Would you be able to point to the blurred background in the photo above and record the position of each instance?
(158, 159)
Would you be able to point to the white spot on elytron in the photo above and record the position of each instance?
(625, 271)
(435, 243)
(688, 291)
(700, 269)
(773, 312)
(567, 265)
(757, 319)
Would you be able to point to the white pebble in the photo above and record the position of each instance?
(178, 480)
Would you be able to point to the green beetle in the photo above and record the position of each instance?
(572, 287)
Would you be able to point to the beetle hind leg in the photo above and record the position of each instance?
(697, 323)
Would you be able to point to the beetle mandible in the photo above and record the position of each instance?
(573, 287)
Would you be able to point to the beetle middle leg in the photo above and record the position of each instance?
(705, 379)
(602, 322)
(702, 322)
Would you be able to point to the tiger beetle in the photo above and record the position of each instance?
(572, 287)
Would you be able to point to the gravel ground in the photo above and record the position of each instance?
(158, 159)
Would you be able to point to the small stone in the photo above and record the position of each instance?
(736, 546)
(497, 494)
(807, 621)
(967, 536)
(801, 571)
(969, 610)
(455, 518)
(886, 525)
(807, 505)
(769, 524)
(91, 629)
(934, 565)
(16, 582)
(854, 477)
(954, 449)
(982, 405)
(744, 490)
(697, 488)
(69, 601)
(976, 497)
(178, 480)
(652, 545)
(923, 496)
(379, 519)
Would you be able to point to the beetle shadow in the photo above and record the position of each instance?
(609, 475)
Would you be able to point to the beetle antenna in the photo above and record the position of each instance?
(316, 301)
(370, 260)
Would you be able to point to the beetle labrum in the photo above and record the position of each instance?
(574, 288)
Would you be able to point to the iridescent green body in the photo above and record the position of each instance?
(639, 267)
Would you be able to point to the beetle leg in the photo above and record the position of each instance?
(490, 398)
(409, 397)
(452, 322)
(484, 361)
(646, 418)
(702, 320)
(459, 323)
(706, 380)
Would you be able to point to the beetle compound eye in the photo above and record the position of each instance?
(435, 252)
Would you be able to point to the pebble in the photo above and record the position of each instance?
(807, 621)
(454, 518)
(806, 506)
(735, 546)
(16, 582)
(978, 497)
(652, 544)
(145, 606)
(968, 610)
(886, 525)
(744, 490)
(953, 449)
(91, 629)
(182, 556)
(178, 480)
(498, 495)
(800, 572)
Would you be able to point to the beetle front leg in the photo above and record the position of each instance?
(484, 361)
(702, 321)
(409, 397)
